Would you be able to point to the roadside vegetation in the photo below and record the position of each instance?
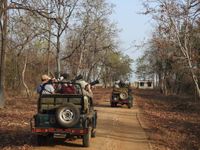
(54, 37)
(172, 54)
(76, 36)
(15, 120)
(171, 122)
(171, 60)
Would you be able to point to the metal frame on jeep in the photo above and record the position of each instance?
(64, 116)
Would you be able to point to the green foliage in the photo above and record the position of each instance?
(118, 66)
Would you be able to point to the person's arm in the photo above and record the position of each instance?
(52, 89)
(88, 90)
(39, 89)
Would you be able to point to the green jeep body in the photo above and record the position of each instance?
(64, 116)
(121, 95)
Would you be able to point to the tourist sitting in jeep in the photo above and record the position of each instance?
(64, 115)
(46, 86)
(65, 87)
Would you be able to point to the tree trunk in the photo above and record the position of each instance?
(80, 62)
(194, 77)
(185, 48)
(49, 48)
(23, 78)
(58, 56)
(4, 20)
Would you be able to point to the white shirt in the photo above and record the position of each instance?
(48, 89)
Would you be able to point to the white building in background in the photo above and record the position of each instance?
(147, 84)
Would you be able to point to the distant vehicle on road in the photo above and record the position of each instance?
(121, 94)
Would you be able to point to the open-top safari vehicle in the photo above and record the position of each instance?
(121, 94)
(65, 116)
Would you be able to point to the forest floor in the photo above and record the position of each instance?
(171, 123)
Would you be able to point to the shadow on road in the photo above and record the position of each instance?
(16, 137)
(24, 138)
(107, 105)
(68, 143)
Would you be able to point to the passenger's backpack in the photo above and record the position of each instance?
(41, 88)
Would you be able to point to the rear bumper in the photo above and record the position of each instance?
(72, 131)
(59, 130)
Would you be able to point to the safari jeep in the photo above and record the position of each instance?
(65, 117)
(121, 95)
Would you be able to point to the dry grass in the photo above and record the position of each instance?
(173, 123)
(15, 124)
(15, 118)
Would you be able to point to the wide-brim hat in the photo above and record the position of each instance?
(45, 78)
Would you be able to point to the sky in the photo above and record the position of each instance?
(135, 27)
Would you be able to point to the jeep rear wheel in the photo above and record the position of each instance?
(68, 115)
(113, 104)
(86, 138)
(130, 104)
(93, 133)
(43, 140)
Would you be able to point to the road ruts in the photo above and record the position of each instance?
(117, 129)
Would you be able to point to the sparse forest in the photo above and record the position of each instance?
(172, 57)
(56, 36)
(172, 60)
(78, 37)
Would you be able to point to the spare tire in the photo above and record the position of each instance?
(68, 115)
(123, 95)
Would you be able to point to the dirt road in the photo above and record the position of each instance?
(118, 129)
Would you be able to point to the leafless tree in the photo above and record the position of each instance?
(57, 12)
(176, 20)
(3, 31)
(91, 38)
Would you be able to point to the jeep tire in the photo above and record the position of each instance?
(44, 140)
(68, 115)
(86, 138)
(130, 104)
(93, 133)
(123, 95)
(41, 140)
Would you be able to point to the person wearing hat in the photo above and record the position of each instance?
(64, 77)
(86, 88)
(87, 92)
(46, 86)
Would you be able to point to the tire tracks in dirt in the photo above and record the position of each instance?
(117, 129)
